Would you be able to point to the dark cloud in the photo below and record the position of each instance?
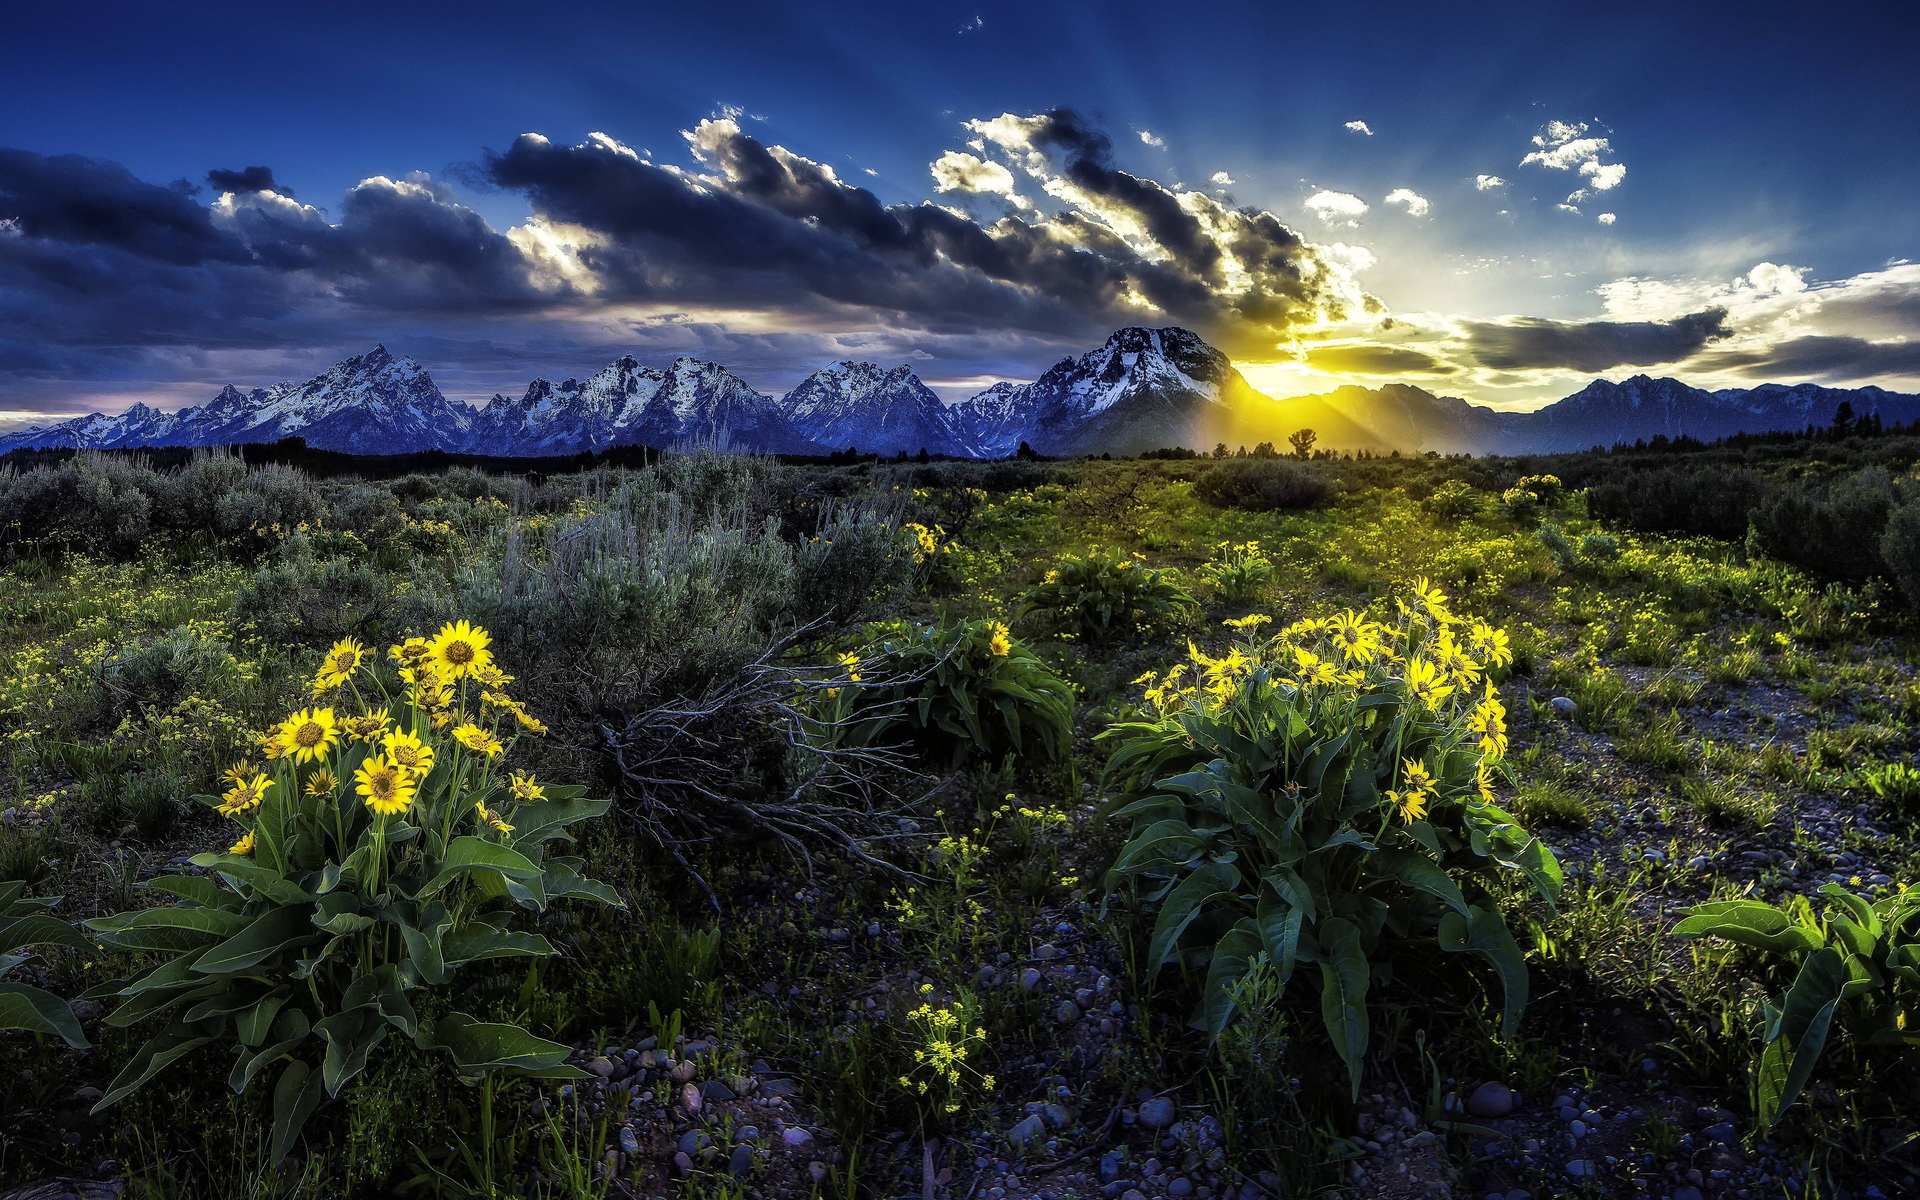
(1377, 360)
(68, 198)
(246, 179)
(1535, 342)
(1839, 357)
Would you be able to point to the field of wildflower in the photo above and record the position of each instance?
(1123, 829)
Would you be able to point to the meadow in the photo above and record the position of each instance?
(1240, 827)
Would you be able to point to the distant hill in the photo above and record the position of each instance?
(1140, 390)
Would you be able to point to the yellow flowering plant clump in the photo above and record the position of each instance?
(1238, 570)
(1107, 593)
(1323, 797)
(382, 844)
(945, 1039)
(958, 689)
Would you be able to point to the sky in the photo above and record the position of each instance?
(1490, 200)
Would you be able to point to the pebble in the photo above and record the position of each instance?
(796, 1138)
(1028, 1132)
(629, 1142)
(740, 1161)
(601, 1066)
(1491, 1100)
(1563, 706)
(1158, 1113)
(1030, 979)
(1580, 1168)
(1180, 1187)
(690, 1098)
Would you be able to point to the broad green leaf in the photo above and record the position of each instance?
(479, 1046)
(1750, 923)
(294, 1098)
(148, 1061)
(1343, 994)
(1231, 956)
(1421, 873)
(1185, 903)
(1797, 1033)
(24, 1007)
(1483, 932)
(276, 931)
(470, 853)
(171, 929)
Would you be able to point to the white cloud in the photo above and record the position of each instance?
(1222, 179)
(1567, 208)
(1337, 206)
(1151, 138)
(1359, 127)
(1607, 218)
(958, 171)
(1605, 176)
(1565, 146)
(1486, 183)
(1417, 205)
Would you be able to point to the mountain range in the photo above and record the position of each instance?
(1141, 390)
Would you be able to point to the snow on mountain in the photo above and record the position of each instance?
(689, 402)
(371, 403)
(1142, 389)
(868, 407)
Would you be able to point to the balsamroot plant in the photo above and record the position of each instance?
(1107, 592)
(1858, 973)
(1238, 570)
(1322, 798)
(959, 690)
(24, 923)
(383, 845)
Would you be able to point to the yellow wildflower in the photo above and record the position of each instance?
(386, 787)
(1427, 682)
(459, 650)
(368, 727)
(525, 789)
(478, 740)
(244, 846)
(322, 783)
(243, 796)
(308, 734)
(407, 752)
(1001, 643)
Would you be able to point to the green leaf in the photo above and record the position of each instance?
(197, 888)
(1420, 873)
(24, 1007)
(468, 853)
(483, 1046)
(1750, 923)
(276, 931)
(148, 1061)
(261, 878)
(1231, 956)
(169, 930)
(478, 942)
(1343, 993)
(294, 1098)
(1797, 1034)
(35, 929)
(350, 1037)
(1183, 904)
(1485, 933)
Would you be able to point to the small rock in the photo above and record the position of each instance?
(1724, 1133)
(740, 1162)
(1158, 1113)
(1491, 1100)
(682, 1164)
(1028, 1132)
(1688, 1192)
(716, 1091)
(601, 1066)
(1030, 979)
(1563, 707)
(780, 1087)
(1067, 1013)
(629, 1142)
(690, 1098)
(796, 1138)
(1580, 1168)
(682, 1071)
(1180, 1187)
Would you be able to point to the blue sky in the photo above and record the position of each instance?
(1721, 192)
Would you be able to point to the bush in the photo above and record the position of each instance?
(1237, 571)
(383, 848)
(962, 691)
(1322, 798)
(1262, 485)
(1833, 531)
(1105, 593)
(1900, 550)
(1455, 500)
(1709, 501)
(1857, 974)
(157, 675)
(305, 600)
(155, 802)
